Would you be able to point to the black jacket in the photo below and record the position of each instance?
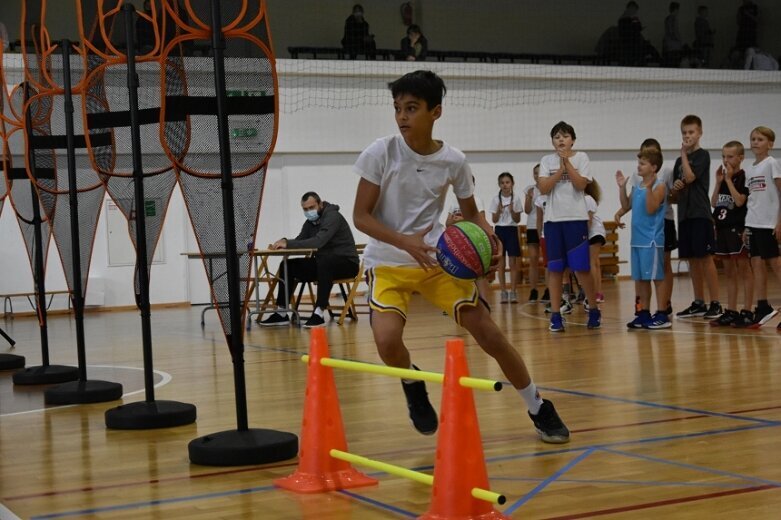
(330, 235)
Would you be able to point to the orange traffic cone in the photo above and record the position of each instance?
(460, 464)
(322, 430)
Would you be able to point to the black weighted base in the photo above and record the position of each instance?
(11, 362)
(46, 375)
(243, 447)
(82, 392)
(148, 415)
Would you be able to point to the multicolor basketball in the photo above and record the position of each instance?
(465, 250)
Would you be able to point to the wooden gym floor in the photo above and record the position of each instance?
(681, 423)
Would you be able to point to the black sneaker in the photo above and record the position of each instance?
(763, 315)
(695, 310)
(581, 296)
(314, 321)
(744, 320)
(549, 425)
(533, 296)
(545, 297)
(714, 311)
(726, 319)
(275, 320)
(421, 413)
(669, 310)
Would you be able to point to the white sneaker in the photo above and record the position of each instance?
(513, 296)
(505, 297)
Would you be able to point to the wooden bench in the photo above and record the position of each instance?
(608, 257)
(8, 306)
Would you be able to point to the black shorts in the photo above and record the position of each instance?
(532, 236)
(762, 243)
(509, 237)
(670, 236)
(696, 238)
(729, 241)
(597, 239)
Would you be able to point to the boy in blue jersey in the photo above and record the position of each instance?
(648, 202)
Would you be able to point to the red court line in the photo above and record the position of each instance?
(146, 482)
(380, 455)
(661, 503)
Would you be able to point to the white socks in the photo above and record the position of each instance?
(532, 398)
(320, 312)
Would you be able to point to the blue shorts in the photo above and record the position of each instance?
(567, 245)
(509, 237)
(647, 263)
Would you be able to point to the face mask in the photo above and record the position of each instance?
(311, 215)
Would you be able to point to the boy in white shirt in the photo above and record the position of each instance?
(563, 177)
(400, 197)
(763, 222)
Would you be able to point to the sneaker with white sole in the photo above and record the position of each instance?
(696, 310)
(314, 321)
(763, 315)
(714, 311)
(549, 425)
(505, 297)
(556, 322)
(660, 320)
(275, 320)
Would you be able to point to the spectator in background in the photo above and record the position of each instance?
(757, 59)
(635, 50)
(703, 36)
(672, 46)
(414, 46)
(357, 39)
(748, 20)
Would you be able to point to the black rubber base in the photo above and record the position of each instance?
(145, 415)
(82, 392)
(46, 375)
(243, 447)
(11, 362)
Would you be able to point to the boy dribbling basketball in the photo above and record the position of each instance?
(400, 197)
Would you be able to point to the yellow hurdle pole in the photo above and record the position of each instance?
(391, 469)
(405, 373)
(417, 476)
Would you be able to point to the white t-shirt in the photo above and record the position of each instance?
(413, 189)
(763, 200)
(505, 217)
(541, 201)
(531, 221)
(666, 176)
(564, 201)
(454, 208)
(596, 227)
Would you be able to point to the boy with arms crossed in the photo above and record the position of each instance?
(400, 197)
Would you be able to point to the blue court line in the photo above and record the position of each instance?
(379, 504)
(662, 406)
(591, 395)
(649, 483)
(147, 503)
(685, 465)
(542, 485)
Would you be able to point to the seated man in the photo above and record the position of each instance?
(327, 231)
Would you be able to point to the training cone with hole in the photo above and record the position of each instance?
(459, 466)
(322, 430)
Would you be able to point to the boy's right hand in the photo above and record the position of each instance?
(621, 179)
(416, 246)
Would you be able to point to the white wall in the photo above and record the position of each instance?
(316, 147)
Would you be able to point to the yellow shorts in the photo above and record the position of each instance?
(390, 288)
